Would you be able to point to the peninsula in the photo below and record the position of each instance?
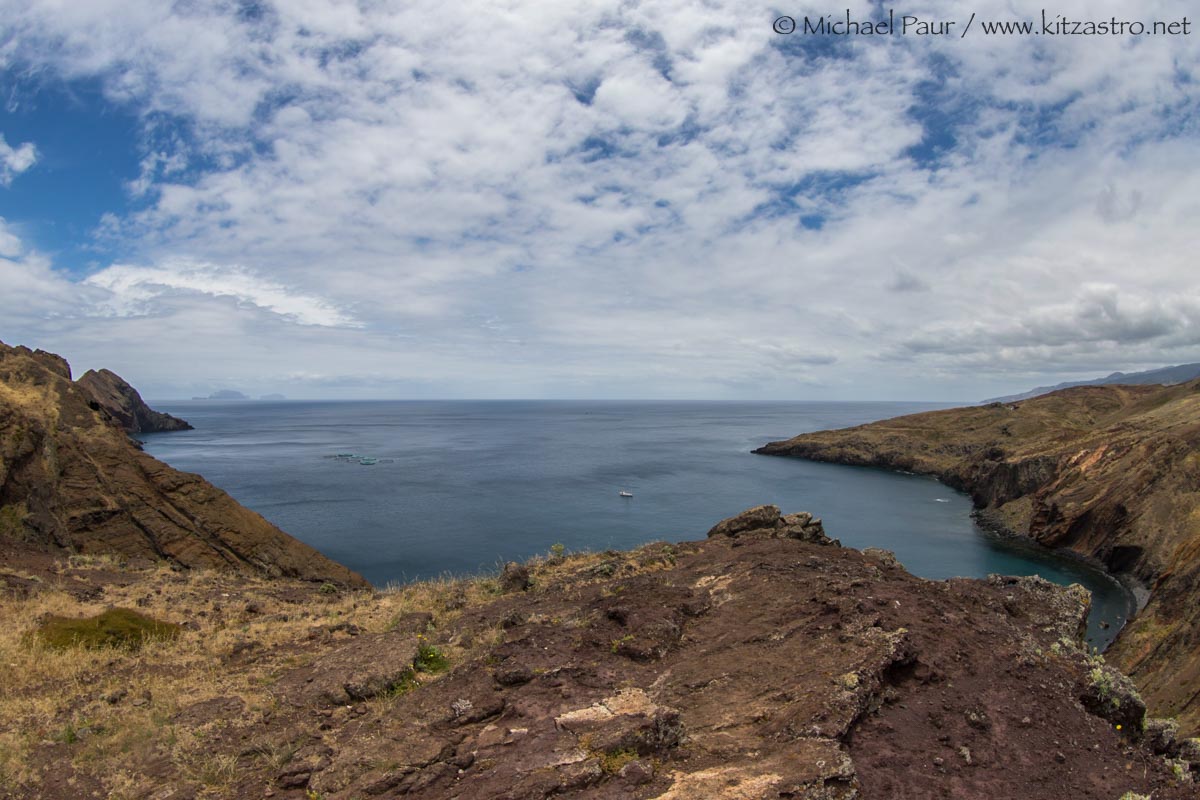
(1108, 472)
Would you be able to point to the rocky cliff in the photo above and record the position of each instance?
(764, 661)
(1110, 472)
(71, 481)
(125, 405)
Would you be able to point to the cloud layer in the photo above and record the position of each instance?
(612, 199)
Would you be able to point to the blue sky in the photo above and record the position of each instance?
(593, 199)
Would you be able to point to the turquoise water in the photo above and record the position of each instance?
(461, 486)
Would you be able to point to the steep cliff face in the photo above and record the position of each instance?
(1111, 472)
(71, 480)
(125, 405)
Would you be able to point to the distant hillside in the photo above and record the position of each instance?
(1167, 376)
(225, 394)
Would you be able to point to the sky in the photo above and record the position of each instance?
(595, 198)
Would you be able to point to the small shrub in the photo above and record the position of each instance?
(122, 628)
(1104, 687)
(616, 643)
(68, 735)
(605, 569)
(558, 550)
(402, 686)
(429, 657)
(1181, 770)
(328, 588)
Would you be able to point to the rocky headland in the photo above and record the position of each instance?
(126, 406)
(72, 482)
(1108, 472)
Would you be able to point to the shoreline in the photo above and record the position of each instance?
(1136, 593)
(987, 522)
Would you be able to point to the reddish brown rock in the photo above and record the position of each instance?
(791, 670)
(110, 391)
(366, 667)
(72, 482)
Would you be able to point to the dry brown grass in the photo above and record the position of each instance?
(28, 396)
(60, 695)
(67, 695)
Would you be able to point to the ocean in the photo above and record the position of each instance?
(459, 487)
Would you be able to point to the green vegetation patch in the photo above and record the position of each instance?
(611, 761)
(429, 658)
(117, 627)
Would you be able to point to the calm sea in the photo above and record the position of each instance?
(461, 486)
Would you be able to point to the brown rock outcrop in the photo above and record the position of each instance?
(126, 406)
(72, 482)
(751, 666)
(1107, 471)
(769, 522)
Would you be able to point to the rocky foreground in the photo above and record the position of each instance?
(1110, 472)
(765, 661)
(73, 482)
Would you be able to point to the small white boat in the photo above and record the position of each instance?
(624, 493)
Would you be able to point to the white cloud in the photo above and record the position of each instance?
(135, 290)
(591, 196)
(10, 243)
(15, 160)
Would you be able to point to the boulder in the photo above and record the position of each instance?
(753, 519)
(1111, 696)
(885, 557)
(367, 666)
(812, 530)
(1160, 736)
(767, 521)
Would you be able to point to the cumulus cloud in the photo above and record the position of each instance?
(662, 198)
(15, 160)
